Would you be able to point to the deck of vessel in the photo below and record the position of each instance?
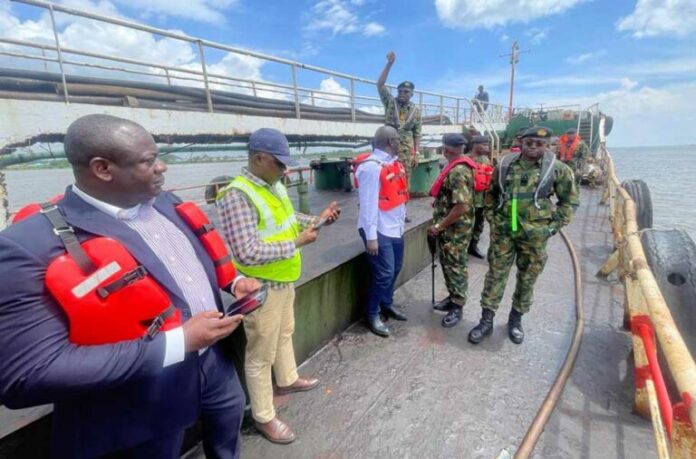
(427, 392)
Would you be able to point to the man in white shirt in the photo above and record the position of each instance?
(382, 194)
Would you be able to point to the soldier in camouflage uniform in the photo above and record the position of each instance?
(578, 153)
(480, 153)
(402, 114)
(522, 219)
(453, 218)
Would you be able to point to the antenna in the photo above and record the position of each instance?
(514, 59)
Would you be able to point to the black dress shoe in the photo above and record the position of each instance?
(453, 316)
(515, 331)
(474, 252)
(378, 327)
(484, 328)
(444, 305)
(394, 314)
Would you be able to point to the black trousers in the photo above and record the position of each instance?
(479, 221)
(222, 404)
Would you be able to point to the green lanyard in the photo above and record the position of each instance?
(513, 213)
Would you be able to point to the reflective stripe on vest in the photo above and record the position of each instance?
(277, 222)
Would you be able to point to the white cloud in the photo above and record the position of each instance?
(536, 34)
(471, 14)
(373, 28)
(210, 11)
(503, 38)
(582, 58)
(660, 17)
(340, 17)
(340, 99)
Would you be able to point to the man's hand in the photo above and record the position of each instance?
(391, 57)
(331, 213)
(433, 230)
(246, 286)
(206, 328)
(306, 237)
(372, 247)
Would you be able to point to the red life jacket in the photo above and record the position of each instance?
(196, 219)
(107, 296)
(566, 152)
(393, 187)
(31, 209)
(482, 175)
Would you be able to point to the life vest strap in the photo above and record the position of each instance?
(158, 321)
(66, 233)
(126, 279)
(206, 228)
(222, 261)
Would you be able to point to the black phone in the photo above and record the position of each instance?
(248, 303)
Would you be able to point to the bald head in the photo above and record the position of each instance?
(102, 136)
(387, 139)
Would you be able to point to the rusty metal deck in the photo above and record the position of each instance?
(426, 392)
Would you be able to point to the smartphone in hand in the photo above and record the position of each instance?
(248, 303)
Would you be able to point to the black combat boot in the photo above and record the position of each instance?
(453, 316)
(444, 305)
(515, 331)
(474, 251)
(484, 328)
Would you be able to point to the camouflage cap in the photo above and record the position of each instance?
(539, 132)
(407, 85)
(480, 139)
(453, 140)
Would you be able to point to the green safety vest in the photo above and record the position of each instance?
(277, 222)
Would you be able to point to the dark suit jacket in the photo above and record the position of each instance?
(106, 397)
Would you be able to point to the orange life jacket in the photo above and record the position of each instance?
(196, 219)
(31, 209)
(567, 152)
(107, 296)
(393, 187)
(482, 174)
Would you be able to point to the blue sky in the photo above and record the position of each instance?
(636, 58)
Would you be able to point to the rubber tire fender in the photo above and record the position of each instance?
(640, 193)
(671, 255)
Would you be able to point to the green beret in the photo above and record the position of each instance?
(407, 85)
(539, 132)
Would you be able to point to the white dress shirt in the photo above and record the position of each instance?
(176, 253)
(371, 219)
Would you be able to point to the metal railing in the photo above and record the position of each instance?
(456, 109)
(648, 316)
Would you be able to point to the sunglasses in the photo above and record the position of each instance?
(535, 143)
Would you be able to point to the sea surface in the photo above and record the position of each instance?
(670, 173)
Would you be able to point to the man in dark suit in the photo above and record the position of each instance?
(131, 398)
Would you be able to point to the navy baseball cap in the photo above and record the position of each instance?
(454, 140)
(273, 142)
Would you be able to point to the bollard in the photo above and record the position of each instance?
(303, 195)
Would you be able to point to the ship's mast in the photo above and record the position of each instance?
(514, 59)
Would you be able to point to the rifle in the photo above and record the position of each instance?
(432, 246)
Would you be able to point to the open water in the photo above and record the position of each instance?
(670, 173)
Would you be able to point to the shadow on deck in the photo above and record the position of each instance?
(426, 392)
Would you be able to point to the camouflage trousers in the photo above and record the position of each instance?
(454, 259)
(530, 256)
(406, 157)
(479, 221)
(577, 167)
